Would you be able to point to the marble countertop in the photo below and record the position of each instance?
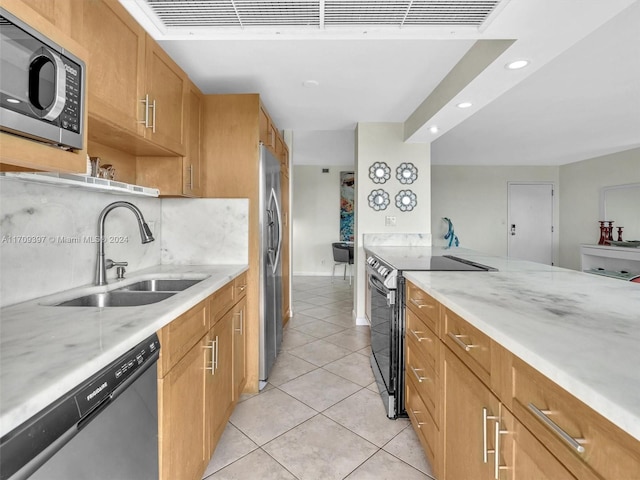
(45, 351)
(582, 331)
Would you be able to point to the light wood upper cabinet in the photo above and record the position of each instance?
(164, 100)
(132, 83)
(116, 43)
(178, 176)
(192, 162)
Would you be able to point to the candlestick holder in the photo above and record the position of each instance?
(620, 234)
(603, 233)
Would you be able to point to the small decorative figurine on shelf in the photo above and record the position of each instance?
(620, 234)
(450, 235)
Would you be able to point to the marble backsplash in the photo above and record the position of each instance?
(397, 239)
(48, 236)
(205, 231)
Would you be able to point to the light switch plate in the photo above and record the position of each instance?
(389, 221)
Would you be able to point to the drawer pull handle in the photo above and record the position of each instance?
(575, 443)
(417, 375)
(456, 338)
(420, 304)
(496, 464)
(418, 337)
(485, 449)
(415, 414)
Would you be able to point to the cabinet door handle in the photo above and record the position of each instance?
(496, 463)
(417, 375)
(214, 360)
(241, 323)
(145, 101)
(420, 304)
(415, 414)
(213, 346)
(418, 337)
(190, 177)
(153, 126)
(575, 443)
(485, 448)
(465, 346)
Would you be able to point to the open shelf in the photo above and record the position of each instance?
(610, 261)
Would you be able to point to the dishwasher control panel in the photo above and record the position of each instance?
(103, 385)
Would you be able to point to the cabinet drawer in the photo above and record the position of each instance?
(177, 338)
(469, 344)
(240, 287)
(424, 378)
(424, 306)
(424, 339)
(584, 441)
(220, 302)
(422, 422)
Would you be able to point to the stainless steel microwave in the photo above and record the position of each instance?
(41, 86)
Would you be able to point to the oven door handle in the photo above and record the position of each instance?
(380, 288)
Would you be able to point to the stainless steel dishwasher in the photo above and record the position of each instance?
(106, 428)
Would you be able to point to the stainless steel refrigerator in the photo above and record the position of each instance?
(270, 264)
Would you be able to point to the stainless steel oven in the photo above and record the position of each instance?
(386, 289)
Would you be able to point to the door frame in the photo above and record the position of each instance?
(554, 215)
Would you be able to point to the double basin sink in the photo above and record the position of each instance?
(143, 292)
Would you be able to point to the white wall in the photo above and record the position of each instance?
(316, 217)
(384, 142)
(579, 198)
(475, 199)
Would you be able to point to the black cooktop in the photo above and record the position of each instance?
(444, 263)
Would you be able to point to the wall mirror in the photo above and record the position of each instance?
(406, 173)
(379, 172)
(406, 200)
(621, 203)
(378, 200)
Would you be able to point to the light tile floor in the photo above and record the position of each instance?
(320, 416)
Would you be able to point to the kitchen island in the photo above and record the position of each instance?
(47, 350)
(539, 351)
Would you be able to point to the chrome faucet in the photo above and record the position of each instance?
(103, 265)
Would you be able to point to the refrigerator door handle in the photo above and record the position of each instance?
(276, 218)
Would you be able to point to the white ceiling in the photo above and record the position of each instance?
(579, 98)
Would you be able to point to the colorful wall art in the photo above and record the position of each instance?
(347, 199)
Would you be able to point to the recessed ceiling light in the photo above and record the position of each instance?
(464, 105)
(517, 64)
(310, 83)
(433, 129)
(13, 100)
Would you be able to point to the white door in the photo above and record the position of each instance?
(530, 226)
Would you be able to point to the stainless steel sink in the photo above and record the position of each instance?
(117, 299)
(159, 285)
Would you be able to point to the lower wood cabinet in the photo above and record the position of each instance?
(489, 415)
(470, 413)
(219, 381)
(201, 373)
(181, 410)
(239, 348)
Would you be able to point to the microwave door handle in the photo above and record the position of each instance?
(60, 81)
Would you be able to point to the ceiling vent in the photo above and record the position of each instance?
(318, 14)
